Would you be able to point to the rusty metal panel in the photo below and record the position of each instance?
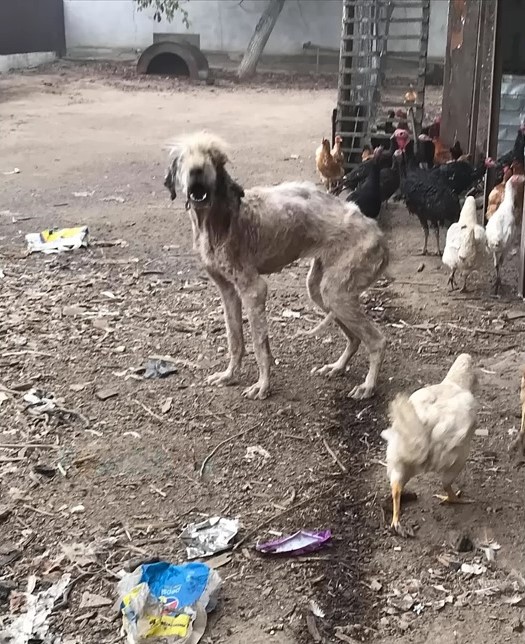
(28, 26)
(486, 77)
(460, 70)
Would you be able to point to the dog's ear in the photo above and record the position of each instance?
(227, 187)
(170, 181)
(237, 189)
(218, 156)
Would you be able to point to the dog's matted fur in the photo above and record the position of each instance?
(243, 235)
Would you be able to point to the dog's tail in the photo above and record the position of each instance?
(317, 329)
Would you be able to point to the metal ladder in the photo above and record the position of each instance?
(363, 85)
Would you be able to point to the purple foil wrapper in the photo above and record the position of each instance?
(299, 543)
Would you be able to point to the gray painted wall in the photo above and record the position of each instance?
(225, 26)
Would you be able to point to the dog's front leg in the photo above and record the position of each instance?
(253, 292)
(232, 307)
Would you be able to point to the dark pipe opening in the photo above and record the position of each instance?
(168, 65)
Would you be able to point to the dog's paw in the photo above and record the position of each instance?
(258, 391)
(329, 370)
(361, 392)
(221, 378)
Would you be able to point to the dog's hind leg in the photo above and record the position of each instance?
(313, 284)
(232, 306)
(253, 291)
(346, 309)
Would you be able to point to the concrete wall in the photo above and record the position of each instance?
(23, 61)
(224, 26)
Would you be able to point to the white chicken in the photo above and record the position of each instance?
(466, 244)
(431, 432)
(501, 227)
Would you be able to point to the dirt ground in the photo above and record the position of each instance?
(124, 476)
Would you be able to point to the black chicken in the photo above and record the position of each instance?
(425, 152)
(462, 175)
(368, 195)
(517, 152)
(427, 195)
(358, 175)
(389, 181)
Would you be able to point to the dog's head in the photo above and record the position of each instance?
(198, 164)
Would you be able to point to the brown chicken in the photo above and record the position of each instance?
(331, 169)
(411, 95)
(367, 153)
(497, 193)
(337, 153)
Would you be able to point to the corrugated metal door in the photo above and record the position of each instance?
(28, 26)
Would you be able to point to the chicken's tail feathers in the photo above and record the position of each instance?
(413, 445)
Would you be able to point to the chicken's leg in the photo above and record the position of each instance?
(464, 289)
(436, 232)
(497, 281)
(451, 280)
(397, 488)
(425, 231)
(451, 496)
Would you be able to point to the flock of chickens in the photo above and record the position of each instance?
(432, 429)
(432, 180)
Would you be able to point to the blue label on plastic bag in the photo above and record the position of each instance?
(176, 586)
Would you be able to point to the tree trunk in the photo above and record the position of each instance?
(259, 39)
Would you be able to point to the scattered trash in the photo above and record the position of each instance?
(515, 600)
(402, 603)
(166, 405)
(208, 537)
(219, 560)
(102, 325)
(316, 609)
(375, 585)
(161, 600)
(73, 310)
(57, 240)
(79, 554)
(76, 387)
(482, 432)
(300, 543)
(292, 157)
(421, 268)
(14, 171)
(84, 193)
(473, 569)
(256, 450)
(158, 369)
(490, 550)
(105, 394)
(89, 600)
(77, 509)
(114, 198)
(289, 313)
(39, 402)
(32, 625)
